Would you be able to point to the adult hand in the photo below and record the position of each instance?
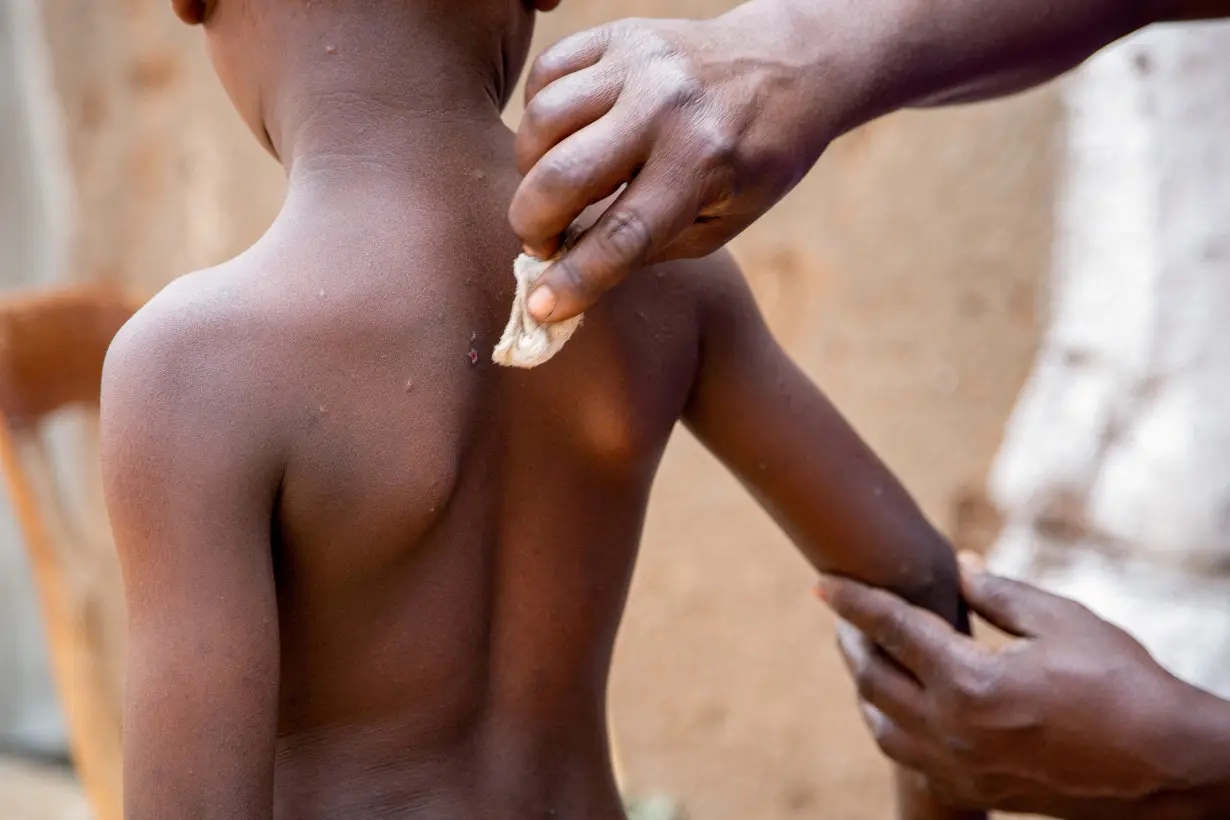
(1071, 718)
(710, 122)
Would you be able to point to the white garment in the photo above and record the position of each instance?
(525, 342)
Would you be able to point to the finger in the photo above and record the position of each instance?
(895, 742)
(651, 211)
(880, 682)
(1013, 607)
(586, 168)
(917, 639)
(573, 53)
(562, 108)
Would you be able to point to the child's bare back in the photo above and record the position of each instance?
(451, 541)
(372, 574)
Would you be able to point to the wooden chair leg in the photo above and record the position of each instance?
(70, 618)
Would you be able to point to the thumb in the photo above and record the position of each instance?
(650, 213)
(1011, 606)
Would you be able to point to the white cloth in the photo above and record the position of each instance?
(525, 342)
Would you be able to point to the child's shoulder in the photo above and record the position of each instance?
(713, 288)
(205, 340)
(201, 314)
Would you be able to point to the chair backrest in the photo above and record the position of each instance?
(52, 347)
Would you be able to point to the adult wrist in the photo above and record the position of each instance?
(1192, 753)
(843, 53)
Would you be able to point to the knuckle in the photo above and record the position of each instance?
(555, 99)
(566, 274)
(539, 118)
(560, 56)
(975, 688)
(998, 594)
(893, 630)
(561, 171)
(627, 29)
(625, 235)
(884, 736)
(678, 85)
(548, 64)
(716, 145)
(648, 38)
(535, 111)
(531, 123)
(881, 728)
(523, 216)
(865, 683)
(520, 221)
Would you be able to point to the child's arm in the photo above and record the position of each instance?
(190, 480)
(758, 413)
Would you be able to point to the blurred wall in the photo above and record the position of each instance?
(903, 274)
(33, 203)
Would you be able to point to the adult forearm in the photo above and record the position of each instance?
(966, 50)
(1187, 735)
(1197, 754)
(963, 50)
(889, 54)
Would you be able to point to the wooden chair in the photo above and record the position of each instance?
(52, 346)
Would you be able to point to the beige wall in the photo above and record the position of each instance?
(903, 274)
(167, 179)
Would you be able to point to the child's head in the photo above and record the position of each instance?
(268, 50)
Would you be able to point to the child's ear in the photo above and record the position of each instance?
(192, 12)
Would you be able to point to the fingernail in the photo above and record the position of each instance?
(971, 562)
(542, 303)
(823, 589)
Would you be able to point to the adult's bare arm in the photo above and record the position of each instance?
(710, 123)
(1071, 719)
(961, 51)
(190, 484)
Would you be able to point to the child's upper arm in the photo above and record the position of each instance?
(190, 477)
(770, 424)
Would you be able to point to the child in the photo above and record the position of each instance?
(370, 574)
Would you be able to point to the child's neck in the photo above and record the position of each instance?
(357, 111)
(356, 138)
